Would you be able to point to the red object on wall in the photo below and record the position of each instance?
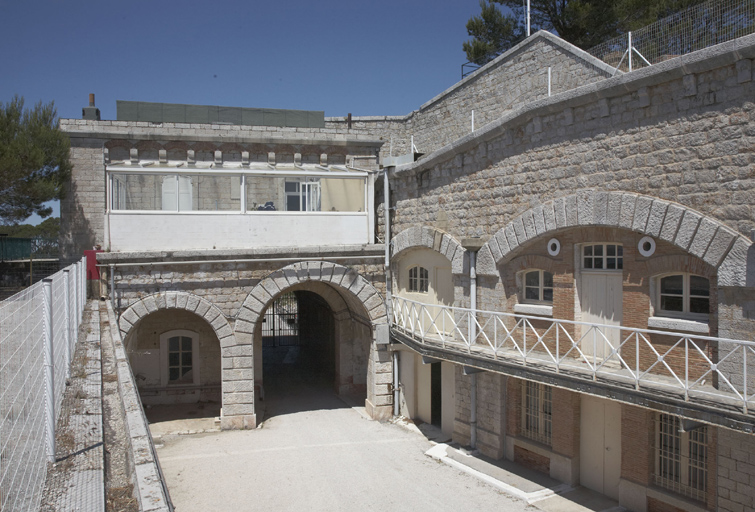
(93, 273)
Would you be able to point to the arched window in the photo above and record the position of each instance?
(683, 295)
(419, 279)
(179, 351)
(538, 287)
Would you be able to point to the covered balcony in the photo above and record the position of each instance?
(700, 378)
(205, 205)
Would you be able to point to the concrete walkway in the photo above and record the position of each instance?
(316, 453)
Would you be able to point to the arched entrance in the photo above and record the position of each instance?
(173, 341)
(341, 325)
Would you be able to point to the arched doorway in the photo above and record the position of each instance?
(351, 357)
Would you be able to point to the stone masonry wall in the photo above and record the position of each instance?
(518, 76)
(682, 131)
(736, 471)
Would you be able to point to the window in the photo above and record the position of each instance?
(684, 295)
(177, 193)
(680, 457)
(603, 257)
(419, 279)
(538, 286)
(536, 412)
(178, 351)
(303, 196)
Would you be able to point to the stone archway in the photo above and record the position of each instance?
(172, 311)
(177, 300)
(690, 230)
(431, 238)
(353, 290)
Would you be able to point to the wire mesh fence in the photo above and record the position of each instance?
(698, 27)
(44, 315)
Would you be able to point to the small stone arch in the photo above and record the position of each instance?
(178, 300)
(432, 238)
(360, 292)
(690, 230)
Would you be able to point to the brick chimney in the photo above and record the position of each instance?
(91, 112)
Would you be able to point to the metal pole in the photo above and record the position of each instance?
(629, 49)
(472, 121)
(396, 408)
(472, 336)
(49, 370)
(112, 285)
(67, 319)
(528, 18)
(549, 81)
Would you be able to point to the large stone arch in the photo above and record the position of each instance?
(178, 300)
(690, 230)
(431, 238)
(353, 291)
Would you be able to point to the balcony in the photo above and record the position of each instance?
(205, 205)
(701, 378)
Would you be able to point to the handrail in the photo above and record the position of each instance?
(693, 366)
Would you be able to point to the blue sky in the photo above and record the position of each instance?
(368, 58)
(361, 57)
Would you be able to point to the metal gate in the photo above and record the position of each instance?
(280, 326)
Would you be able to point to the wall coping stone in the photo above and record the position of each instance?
(306, 252)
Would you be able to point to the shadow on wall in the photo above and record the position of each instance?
(76, 233)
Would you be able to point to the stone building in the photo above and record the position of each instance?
(570, 262)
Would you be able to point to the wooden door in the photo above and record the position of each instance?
(600, 445)
(601, 303)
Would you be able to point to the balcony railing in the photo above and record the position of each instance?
(683, 366)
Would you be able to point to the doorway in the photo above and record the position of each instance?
(600, 445)
(601, 298)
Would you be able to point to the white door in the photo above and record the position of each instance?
(600, 445)
(601, 303)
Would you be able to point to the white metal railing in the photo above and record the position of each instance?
(685, 365)
(38, 333)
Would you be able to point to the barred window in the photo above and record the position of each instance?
(681, 457)
(536, 412)
(419, 279)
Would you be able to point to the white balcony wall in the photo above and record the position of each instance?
(197, 231)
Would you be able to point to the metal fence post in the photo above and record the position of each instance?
(49, 370)
(67, 319)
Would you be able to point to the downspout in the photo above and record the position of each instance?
(388, 296)
(472, 245)
(472, 336)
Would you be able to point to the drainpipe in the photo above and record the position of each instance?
(472, 245)
(388, 295)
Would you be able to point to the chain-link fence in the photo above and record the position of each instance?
(693, 29)
(38, 332)
(25, 261)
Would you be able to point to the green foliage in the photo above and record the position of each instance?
(48, 228)
(34, 160)
(492, 33)
(584, 23)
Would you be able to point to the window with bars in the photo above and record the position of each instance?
(537, 421)
(538, 286)
(419, 279)
(603, 257)
(681, 457)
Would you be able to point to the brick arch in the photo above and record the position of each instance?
(431, 238)
(361, 294)
(183, 301)
(690, 230)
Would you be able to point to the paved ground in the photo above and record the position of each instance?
(327, 458)
(315, 453)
